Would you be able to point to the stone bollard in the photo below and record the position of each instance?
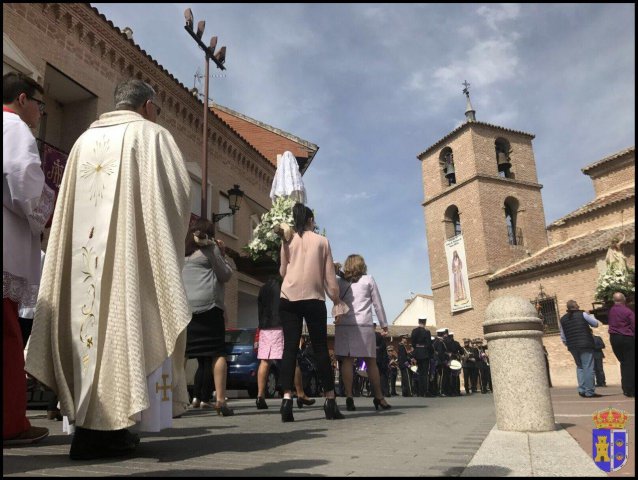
(521, 391)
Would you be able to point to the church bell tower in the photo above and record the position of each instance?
(483, 211)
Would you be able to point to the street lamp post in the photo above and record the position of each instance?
(235, 196)
(219, 58)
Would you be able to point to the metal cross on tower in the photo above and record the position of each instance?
(465, 90)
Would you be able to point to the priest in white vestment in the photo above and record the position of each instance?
(110, 324)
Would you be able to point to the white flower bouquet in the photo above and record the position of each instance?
(615, 281)
(266, 242)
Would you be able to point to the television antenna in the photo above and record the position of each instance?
(197, 78)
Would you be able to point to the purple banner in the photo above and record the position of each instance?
(53, 164)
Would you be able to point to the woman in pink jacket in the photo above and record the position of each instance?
(308, 273)
(354, 331)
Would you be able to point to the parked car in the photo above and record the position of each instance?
(241, 347)
(241, 357)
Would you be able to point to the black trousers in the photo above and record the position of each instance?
(470, 378)
(598, 369)
(292, 315)
(446, 381)
(624, 348)
(406, 382)
(394, 373)
(385, 384)
(423, 366)
(486, 378)
(203, 388)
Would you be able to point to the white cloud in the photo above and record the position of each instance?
(495, 14)
(356, 196)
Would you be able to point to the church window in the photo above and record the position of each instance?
(503, 160)
(452, 222)
(446, 160)
(514, 233)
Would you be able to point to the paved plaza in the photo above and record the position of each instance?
(417, 437)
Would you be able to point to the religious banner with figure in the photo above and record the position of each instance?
(457, 273)
(53, 165)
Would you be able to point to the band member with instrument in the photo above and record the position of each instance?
(470, 366)
(483, 366)
(442, 363)
(422, 344)
(455, 351)
(404, 366)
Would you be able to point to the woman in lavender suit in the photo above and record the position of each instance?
(354, 331)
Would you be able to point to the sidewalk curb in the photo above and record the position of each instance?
(531, 454)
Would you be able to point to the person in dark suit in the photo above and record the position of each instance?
(599, 345)
(470, 367)
(442, 377)
(394, 371)
(485, 375)
(422, 344)
(404, 366)
(383, 361)
(455, 351)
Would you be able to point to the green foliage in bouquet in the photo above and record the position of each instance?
(613, 281)
(265, 242)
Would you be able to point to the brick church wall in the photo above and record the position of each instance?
(73, 39)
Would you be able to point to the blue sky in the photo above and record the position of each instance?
(373, 85)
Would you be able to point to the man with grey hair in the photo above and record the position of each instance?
(576, 334)
(110, 323)
(622, 335)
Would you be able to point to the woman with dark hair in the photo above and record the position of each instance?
(205, 272)
(308, 273)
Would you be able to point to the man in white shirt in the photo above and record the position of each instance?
(27, 204)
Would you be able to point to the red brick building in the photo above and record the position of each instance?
(79, 56)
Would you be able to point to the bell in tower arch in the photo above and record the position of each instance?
(449, 169)
(503, 160)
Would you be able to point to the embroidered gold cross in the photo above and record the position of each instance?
(163, 388)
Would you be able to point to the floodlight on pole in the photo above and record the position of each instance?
(219, 58)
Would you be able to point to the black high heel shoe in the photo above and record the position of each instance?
(350, 404)
(301, 401)
(377, 403)
(331, 410)
(261, 403)
(224, 410)
(286, 410)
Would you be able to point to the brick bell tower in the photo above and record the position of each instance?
(481, 197)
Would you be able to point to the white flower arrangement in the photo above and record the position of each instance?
(615, 281)
(265, 241)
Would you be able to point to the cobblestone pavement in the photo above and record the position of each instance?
(417, 437)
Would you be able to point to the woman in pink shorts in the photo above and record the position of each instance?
(271, 342)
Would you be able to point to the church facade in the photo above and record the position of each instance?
(486, 233)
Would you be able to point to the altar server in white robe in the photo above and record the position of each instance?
(109, 331)
(27, 203)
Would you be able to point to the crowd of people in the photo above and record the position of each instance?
(433, 366)
(128, 292)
